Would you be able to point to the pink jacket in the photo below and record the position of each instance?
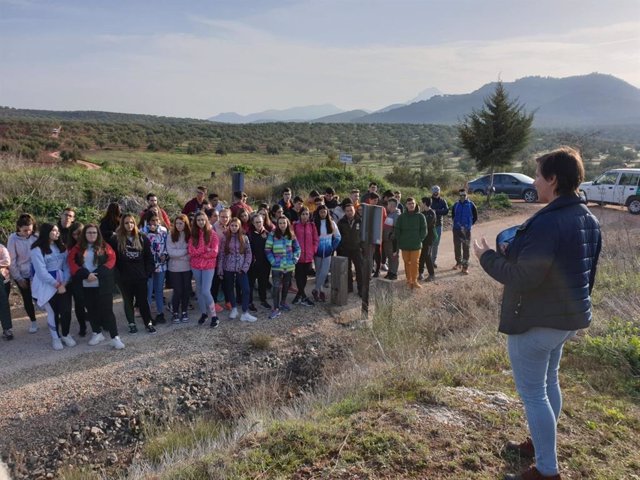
(307, 236)
(203, 256)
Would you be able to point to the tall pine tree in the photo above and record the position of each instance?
(495, 134)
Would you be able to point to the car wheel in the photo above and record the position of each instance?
(634, 205)
(530, 196)
(479, 192)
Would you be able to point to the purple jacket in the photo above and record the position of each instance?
(234, 261)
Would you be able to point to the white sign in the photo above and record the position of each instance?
(345, 158)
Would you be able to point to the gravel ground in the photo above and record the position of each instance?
(84, 405)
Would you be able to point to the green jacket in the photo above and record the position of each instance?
(410, 230)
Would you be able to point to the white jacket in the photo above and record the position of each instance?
(49, 270)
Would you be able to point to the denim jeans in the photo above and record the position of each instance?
(203, 279)
(535, 360)
(231, 282)
(155, 286)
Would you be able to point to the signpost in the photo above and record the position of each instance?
(346, 159)
(371, 235)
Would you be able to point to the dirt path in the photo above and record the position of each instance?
(46, 396)
(85, 164)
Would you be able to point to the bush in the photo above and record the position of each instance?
(340, 179)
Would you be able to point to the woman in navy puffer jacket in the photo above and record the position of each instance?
(548, 270)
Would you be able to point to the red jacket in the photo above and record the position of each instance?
(307, 236)
(204, 255)
(75, 250)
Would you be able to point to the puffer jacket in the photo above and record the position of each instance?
(307, 235)
(549, 270)
(282, 253)
(204, 255)
(234, 261)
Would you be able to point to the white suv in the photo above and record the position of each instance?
(620, 186)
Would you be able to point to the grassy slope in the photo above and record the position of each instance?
(429, 395)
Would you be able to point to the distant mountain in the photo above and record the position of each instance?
(426, 95)
(391, 107)
(586, 100)
(294, 114)
(88, 116)
(344, 117)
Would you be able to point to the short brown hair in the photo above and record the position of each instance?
(565, 163)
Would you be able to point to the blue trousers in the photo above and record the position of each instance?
(155, 286)
(535, 360)
(203, 279)
(232, 281)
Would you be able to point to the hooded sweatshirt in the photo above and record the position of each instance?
(20, 253)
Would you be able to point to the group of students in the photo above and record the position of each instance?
(235, 248)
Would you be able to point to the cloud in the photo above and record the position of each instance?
(234, 66)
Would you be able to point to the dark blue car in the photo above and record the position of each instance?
(515, 185)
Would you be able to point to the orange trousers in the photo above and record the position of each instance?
(411, 262)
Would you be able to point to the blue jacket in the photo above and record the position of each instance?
(549, 269)
(464, 215)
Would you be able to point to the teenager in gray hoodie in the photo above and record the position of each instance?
(19, 246)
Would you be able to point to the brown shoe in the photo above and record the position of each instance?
(456, 266)
(532, 473)
(524, 449)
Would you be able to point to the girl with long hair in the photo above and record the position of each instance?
(111, 221)
(234, 260)
(19, 246)
(307, 235)
(220, 227)
(92, 262)
(75, 286)
(51, 275)
(328, 240)
(243, 215)
(134, 266)
(203, 250)
(283, 251)
(263, 210)
(157, 235)
(179, 267)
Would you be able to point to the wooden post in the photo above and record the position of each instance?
(339, 290)
(366, 280)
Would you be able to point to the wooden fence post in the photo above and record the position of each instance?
(339, 290)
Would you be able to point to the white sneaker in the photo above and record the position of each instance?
(384, 267)
(57, 344)
(117, 343)
(33, 328)
(68, 341)
(96, 338)
(234, 313)
(247, 317)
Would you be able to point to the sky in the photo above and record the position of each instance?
(193, 58)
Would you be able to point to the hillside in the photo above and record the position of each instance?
(580, 101)
(344, 117)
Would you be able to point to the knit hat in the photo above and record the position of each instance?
(435, 189)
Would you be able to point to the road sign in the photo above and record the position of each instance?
(346, 158)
